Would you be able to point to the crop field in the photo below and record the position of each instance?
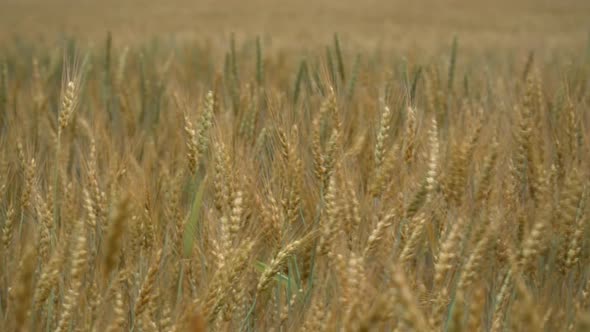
(299, 166)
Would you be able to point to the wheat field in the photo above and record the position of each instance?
(373, 166)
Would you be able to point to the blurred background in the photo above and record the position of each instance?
(500, 23)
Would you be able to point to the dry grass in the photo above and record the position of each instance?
(191, 186)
